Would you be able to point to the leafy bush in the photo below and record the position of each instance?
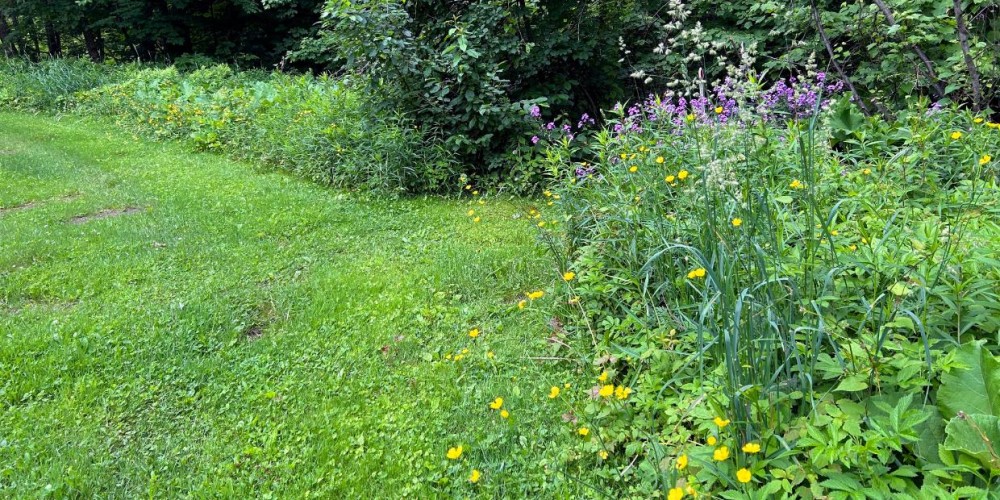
(318, 127)
(786, 282)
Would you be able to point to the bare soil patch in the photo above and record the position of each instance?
(105, 214)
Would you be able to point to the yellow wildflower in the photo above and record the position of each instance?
(696, 273)
(796, 184)
(554, 392)
(721, 422)
(623, 156)
(536, 295)
(660, 160)
(541, 224)
(583, 431)
(522, 304)
(683, 174)
(622, 392)
(866, 171)
(603, 377)
(743, 475)
(475, 193)
(956, 135)
(670, 179)
(690, 117)
(682, 462)
(675, 494)
(474, 333)
(985, 159)
(497, 403)
(977, 121)
(711, 440)
(471, 213)
(719, 110)
(721, 453)
(474, 477)
(633, 169)
(737, 222)
(455, 453)
(568, 276)
(606, 391)
(477, 219)
(547, 193)
(490, 354)
(603, 454)
(751, 448)
(504, 414)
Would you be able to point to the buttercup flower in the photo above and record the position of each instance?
(985, 159)
(956, 135)
(536, 295)
(670, 179)
(796, 184)
(721, 453)
(504, 414)
(751, 448)
(743, 475)
(622, 392)
(721, 422)
(660, 160)
(682, 462)
(583, 431)
(474, 477)
(455, 453)
(737, 222)
(711, 440)
(675, 494)
(554, 392)
(606, 391)
(497, 403)
(474, 333)
(522, 304)
(719, 110)
(603, 377)
(603, 454)
(568, 276)
(696, 273)
(683, 174)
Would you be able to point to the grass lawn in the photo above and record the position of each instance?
(179, 324)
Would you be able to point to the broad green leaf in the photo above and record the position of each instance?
(853, 383)
(976, 435)
(973, 388)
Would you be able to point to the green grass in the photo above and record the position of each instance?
(245, 333)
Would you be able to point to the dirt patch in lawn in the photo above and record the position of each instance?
(105, 214)
(17, 208)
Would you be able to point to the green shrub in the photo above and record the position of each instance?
(318, 127)
(752, 283)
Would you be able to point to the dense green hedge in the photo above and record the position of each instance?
(318, 127)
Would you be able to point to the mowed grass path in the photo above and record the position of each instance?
(219, 331)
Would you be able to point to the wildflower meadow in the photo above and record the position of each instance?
(380, 249)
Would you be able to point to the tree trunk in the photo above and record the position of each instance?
(833, 59)
(95, 45)
(5, 39)
(963, 40)
(53, 40)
